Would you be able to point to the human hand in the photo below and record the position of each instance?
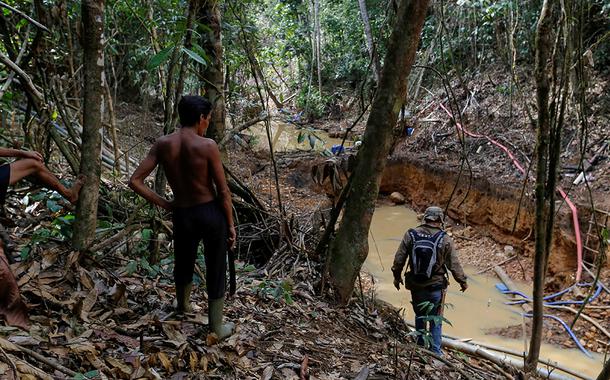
(31, 154)
(397, 282)
(232, 237)
(463, 287)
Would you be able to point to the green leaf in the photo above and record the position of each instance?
(199, 50)
(54, 115)
(300, 137)
(312, 141)
(146, 234)
(53, 206)
(159, 58)
(194, 56)
(131, 267)
(25, 252)
(88, 375)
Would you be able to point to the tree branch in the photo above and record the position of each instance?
(3, 5)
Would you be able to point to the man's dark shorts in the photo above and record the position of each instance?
(205, 222)
(5, 176)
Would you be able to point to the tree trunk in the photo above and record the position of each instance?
(364, 14)
(318, 38)
(547, 161)
(90, 164)
(350, 247)
(209, 15)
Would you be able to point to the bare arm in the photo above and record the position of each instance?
(9, 152)
(218, 174)
(136, 182)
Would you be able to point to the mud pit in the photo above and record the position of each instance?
(473, 314)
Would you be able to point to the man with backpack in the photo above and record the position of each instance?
(430, 253)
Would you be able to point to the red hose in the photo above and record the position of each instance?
(576, 232)
(520, 168)
(505, 149)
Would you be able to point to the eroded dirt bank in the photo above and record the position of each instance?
(479, 201)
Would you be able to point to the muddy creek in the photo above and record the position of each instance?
(480, 308)
(285, 138)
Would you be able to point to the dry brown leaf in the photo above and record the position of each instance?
(7, 345)
(83, 348)
(117, 294)
(165, 362)
(97, 362)
(173, 334)
(204, 362)
(88, 303)
(120, 365)
(26, 368)
(211, 339)
(193, 361)
(32, 273)
(85, 278)
(268, 373)
(107, 334)
(6, 372)
(49, 258)
(72, 261)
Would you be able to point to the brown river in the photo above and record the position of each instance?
(471, 313)
(480, 308)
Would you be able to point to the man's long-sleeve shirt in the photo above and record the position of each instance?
(447, 258)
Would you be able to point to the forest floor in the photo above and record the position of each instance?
(108, 314)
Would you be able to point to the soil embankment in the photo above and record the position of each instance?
(481, 202)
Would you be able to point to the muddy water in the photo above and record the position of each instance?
(284, 138)
(480, 308)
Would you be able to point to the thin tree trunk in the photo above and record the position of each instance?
(112, 124)
(209, 15)
(318, 38)
(364, 14)
(549, 124)
(350, 247)
(90, 164)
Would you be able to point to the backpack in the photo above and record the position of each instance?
(424, 254)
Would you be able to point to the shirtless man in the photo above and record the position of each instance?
(193, 166)
(32, 164)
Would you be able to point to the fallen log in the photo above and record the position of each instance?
(448, 341)
(506, 360)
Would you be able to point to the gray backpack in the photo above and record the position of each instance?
(424, 254)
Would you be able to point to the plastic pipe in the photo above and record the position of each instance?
(568, 330)
(576, 232)
(505, 149)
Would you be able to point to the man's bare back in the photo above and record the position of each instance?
(188, 161)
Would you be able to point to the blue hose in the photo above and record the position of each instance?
(569, 331)
(503, 289)
(572, 302)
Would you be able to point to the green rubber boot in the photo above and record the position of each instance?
(222, 330)
(183, 298)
